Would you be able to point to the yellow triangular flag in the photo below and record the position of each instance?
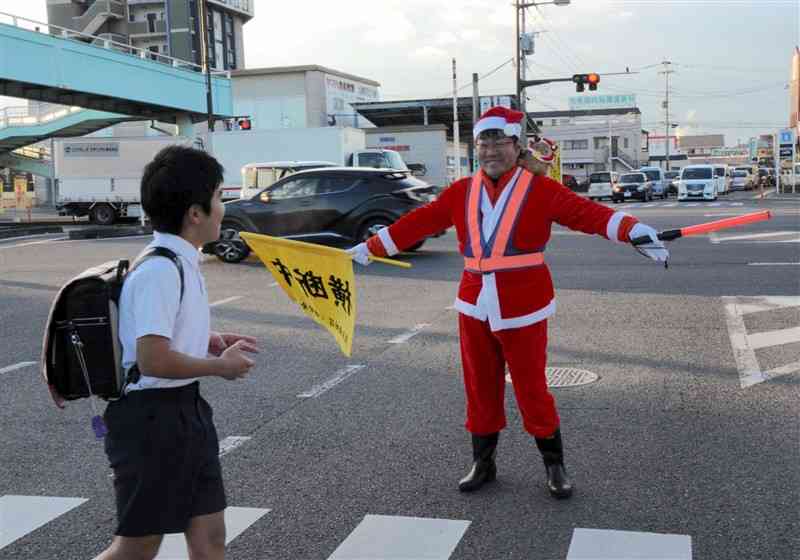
(319, 279)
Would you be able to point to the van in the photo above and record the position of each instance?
(697, 182)
(258, 176)
(601, 184)
(659, 182)
(722, 177)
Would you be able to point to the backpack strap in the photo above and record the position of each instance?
(162, 252)
(134, 374)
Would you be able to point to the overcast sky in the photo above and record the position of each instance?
(731, 58)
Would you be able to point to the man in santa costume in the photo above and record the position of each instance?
(502, 216)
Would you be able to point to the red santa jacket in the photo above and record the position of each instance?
(506, 298)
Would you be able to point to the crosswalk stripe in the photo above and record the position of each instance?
(388, 537)
(773, 338)
(601, 544)
(20, 515)
(237, 520)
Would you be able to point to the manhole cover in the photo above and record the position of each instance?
(566, 377)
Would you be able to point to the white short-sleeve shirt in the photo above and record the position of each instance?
(150, 304)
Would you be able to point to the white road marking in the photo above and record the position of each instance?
(338, 377)
(15, 367)
(721, 214)
(774, 264)
(602, 544)
(237, 520)
(773, 338)
(224, 301)
(766, 303)
(745, 357)
(415, 330)
(389, 537)
(716, 239)
(4, 247)
(230, 443)
(744, 345)
(737, 203)
(20, 515)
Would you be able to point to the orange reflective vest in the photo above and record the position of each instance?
(497, 253)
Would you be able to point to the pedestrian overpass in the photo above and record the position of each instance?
(98, 81)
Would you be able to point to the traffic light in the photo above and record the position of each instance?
(245, 124)
(582, 79)
(593, 79)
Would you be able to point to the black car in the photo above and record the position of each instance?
(632, 186)
(332, 206)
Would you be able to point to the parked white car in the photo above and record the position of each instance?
(659, 181)
(697, 182)
(601, 184)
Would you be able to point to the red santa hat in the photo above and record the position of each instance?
(500, 118)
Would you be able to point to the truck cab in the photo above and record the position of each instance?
(377, 158)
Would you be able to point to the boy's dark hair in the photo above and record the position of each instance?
(177, 178)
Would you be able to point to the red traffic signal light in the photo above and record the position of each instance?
(582, 79)
(245, 124)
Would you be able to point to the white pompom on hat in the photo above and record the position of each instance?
(504, 119)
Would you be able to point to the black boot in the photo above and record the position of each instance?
(558, 481)
(484, 469)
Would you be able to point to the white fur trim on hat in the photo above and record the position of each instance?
(489, 123)
(513, 129)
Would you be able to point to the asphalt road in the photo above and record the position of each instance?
(667, 441)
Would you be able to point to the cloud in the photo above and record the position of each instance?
(445, 38)
(429, 52)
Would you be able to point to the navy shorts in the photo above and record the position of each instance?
(164, 451)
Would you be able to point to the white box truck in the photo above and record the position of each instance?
(101, 177)
(346, 147)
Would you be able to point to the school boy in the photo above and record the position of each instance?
(161, 442)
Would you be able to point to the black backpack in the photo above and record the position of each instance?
(81, 351)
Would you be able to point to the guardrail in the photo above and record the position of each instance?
(97, 41)
(24, 116)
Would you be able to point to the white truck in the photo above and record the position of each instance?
(100, 177)
(339, 146)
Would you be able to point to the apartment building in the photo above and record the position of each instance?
(164, 27)
(595, 139)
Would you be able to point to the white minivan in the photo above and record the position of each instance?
(697, 182)
(601, 184)
(722, 176)
(258, 176)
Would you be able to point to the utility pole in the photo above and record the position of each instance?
(517, 55)
(203, 8)
(456, 139)
(475, 115)
(667, 125)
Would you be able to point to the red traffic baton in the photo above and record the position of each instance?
(672, 234)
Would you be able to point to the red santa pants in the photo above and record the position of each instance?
(484, 355)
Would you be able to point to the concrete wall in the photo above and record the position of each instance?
(273, 100)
